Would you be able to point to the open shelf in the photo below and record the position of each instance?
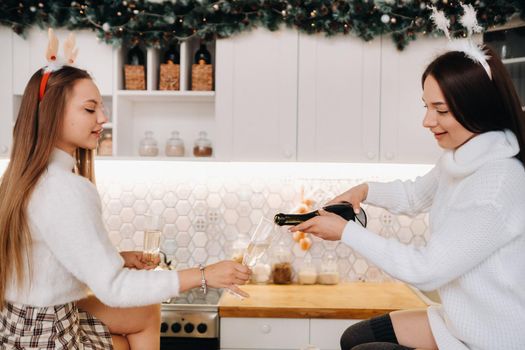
(167, 96)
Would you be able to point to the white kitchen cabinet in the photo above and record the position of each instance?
(282, 333)
(256, 103)
(339, 84)
(94, 56)
(403, 137)
(6, 93)
(361, 102)
(326, 334)
(264, 333)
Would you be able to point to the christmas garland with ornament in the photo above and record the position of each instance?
(161, 23)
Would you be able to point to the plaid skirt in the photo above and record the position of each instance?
(61, 327)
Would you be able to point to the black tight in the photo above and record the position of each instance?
(374, 334)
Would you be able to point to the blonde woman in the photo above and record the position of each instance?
(53, 244)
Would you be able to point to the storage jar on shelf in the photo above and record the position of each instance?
(148, 145)
(202, 146)
(174, 145)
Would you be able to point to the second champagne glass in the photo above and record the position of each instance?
(259, 243)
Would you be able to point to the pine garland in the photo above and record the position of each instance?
(160, 24)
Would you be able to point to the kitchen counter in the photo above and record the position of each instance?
(357, 300)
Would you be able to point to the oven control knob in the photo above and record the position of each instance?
(189, 327)
(202, 328)
(163, 327)
(176, 327)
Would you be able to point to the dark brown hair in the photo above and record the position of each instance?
(477, 102)
(35, 134)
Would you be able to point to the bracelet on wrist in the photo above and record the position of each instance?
(204, 286)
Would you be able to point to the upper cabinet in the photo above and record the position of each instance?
(403, 137)
(6, 93)
(94, 56)
(277, 96)
(256, 102)
(339, 100)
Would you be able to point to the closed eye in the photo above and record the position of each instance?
(89, 110)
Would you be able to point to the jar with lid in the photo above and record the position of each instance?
(282, 270)
(202, 146)
(261, 273)
(148, 145)
(175, 145)
(329, 272)
(307, 272)
(239, 246)
(105, 146)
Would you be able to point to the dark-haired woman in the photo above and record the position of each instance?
(475, 196)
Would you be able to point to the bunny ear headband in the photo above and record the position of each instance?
(54, 62)
(467, 46)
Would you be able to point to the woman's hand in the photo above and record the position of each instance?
(227, 274)
(328, 226)
(354, 196)
(140, 260)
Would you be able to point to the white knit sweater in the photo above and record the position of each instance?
(475, 256)
(71, 250)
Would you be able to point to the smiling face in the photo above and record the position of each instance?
(83, 119)
(449, 133)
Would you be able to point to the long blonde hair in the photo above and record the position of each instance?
(35, 134)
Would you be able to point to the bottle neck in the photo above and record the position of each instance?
(293, 219)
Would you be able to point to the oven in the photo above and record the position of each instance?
(190, 321)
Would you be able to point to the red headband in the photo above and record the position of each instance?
(43, 84)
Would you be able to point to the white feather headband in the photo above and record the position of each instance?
(467, 46)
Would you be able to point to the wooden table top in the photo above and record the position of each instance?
(359, 300)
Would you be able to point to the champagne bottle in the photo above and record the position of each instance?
(202, 56)
(136, 56)
(343, 209)
(172, 55)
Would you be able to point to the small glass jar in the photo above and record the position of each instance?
(148, 145)
(282, 270)
(308, 272)
(239, 246)
(261, 273)
(175, 145)
(329, 272)
(202, 146)
(105, 146)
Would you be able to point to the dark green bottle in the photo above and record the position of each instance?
(344, 210)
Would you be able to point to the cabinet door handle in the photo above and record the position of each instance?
(266, 328)
(4, 149)
(389, 155)
(370, 155)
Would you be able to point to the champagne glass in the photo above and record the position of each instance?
(259, 243)
(152, 232)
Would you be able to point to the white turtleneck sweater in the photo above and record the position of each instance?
(71, 250)
(475, 256)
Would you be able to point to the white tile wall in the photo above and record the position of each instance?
(207, 208)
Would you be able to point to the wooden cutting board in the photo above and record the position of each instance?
(343, 301)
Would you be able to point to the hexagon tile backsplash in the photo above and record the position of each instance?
(204, 214)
